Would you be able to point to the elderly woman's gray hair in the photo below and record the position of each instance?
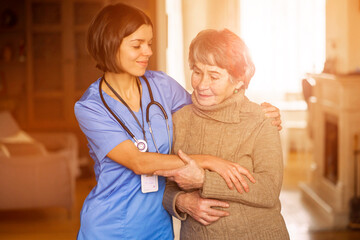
(224, 49)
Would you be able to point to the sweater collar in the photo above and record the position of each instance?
(232, 110)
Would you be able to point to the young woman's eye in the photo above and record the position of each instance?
(214, 78)
(136, 47)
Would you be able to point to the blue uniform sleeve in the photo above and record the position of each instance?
(102, 131)
(175, 94)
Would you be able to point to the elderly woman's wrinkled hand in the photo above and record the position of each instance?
(188, 177)
(272, 112)
(201, 209)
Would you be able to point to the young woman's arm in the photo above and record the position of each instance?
(191, 176)
(129, 156)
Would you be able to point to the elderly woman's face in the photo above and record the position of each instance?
(212, 84)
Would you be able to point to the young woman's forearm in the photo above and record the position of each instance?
(148, 163)
(129, 156)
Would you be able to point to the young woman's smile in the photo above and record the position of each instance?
(135, 51)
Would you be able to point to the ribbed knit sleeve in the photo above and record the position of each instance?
(267, 171)
(172, 191)
(169, 200)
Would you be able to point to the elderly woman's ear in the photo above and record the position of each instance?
(239, 85)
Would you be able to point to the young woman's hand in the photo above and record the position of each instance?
(232, 173)
(201, 209)
(191, 176)
(188, 177)
(272, 112)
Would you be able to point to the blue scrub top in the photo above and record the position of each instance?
(116, 208)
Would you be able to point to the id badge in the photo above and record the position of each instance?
(149, 183)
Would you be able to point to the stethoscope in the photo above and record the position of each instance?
(141, 144)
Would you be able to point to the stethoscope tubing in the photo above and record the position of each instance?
(152, 102)
(113, 114)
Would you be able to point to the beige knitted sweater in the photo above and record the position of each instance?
(235, 130)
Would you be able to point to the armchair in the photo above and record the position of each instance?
(38, 170)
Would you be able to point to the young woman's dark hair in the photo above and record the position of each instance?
(107, 30)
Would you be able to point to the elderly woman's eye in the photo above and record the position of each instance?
(214, 77)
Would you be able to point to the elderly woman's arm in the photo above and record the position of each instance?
(267, 170)
(266, 162)
(179, 203)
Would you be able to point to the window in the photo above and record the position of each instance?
(286, 39)
(174, 54)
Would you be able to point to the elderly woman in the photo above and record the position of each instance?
(222, 122)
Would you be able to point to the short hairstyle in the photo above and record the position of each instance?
(224, 49)
(107, 30)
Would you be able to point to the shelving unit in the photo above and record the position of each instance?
(12, 58)
(58, 66)
(44, 64)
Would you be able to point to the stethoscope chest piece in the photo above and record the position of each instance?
(141, 145)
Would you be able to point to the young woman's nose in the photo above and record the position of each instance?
(147, 51)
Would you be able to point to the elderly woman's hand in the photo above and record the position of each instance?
(188, 177)
(201, 209)
(272, 112)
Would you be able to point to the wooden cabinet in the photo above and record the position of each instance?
(58, 66)
(336, 117)
(44, 64)
(12, 58)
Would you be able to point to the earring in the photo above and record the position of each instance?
(239, 87)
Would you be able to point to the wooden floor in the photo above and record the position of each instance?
(302, 222)
(56, 224)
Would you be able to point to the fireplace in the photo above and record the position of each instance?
(331, 148)
(336, 118)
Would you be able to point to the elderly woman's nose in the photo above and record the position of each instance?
(204, 82)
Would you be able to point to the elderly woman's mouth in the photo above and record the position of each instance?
(204, 95)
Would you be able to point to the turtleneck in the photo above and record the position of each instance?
(232, 110)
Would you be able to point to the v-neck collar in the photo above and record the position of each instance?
(145, 98)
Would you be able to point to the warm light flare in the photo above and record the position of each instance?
(286, 40)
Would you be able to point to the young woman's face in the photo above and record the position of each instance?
(135, 51)
(212, 84)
